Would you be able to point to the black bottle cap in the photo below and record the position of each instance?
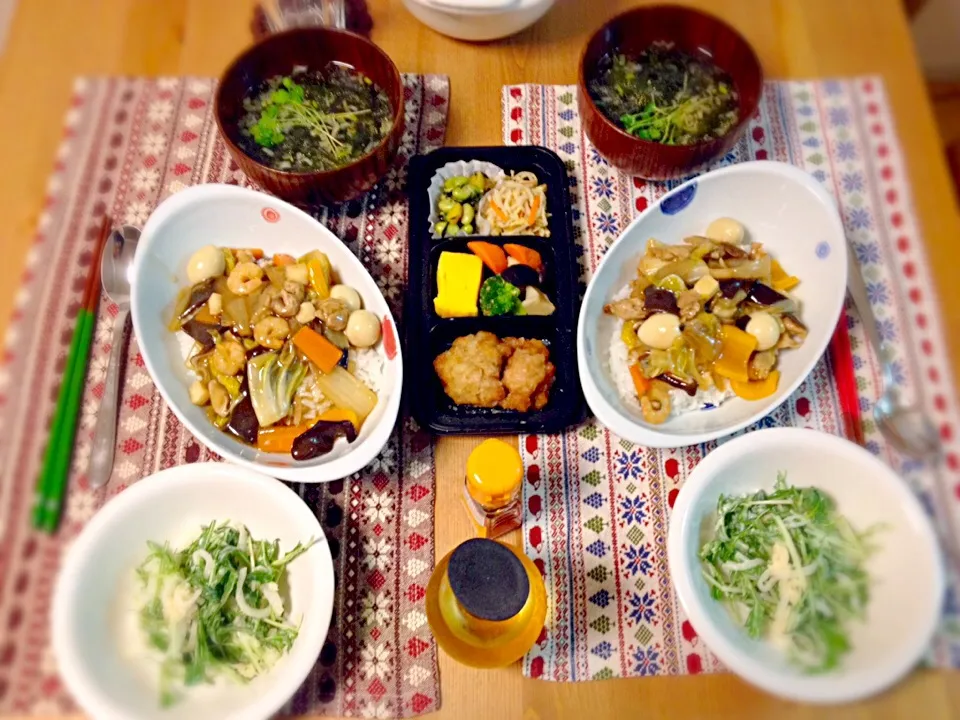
(488, 580)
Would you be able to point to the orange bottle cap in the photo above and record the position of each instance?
(494, 471)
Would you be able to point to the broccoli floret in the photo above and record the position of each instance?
(498, 297)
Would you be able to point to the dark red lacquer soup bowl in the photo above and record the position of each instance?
(690, 31)
(313, 48)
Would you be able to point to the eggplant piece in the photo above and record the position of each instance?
(199, 294)
(243, 422)
(522, 276)
(659, 300)
(201, 332)
(729, 288)
(689, 387)
(319, 439)
(742, 322)
(762, 294)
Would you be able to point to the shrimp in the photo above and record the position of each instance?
(245, 278)
(228, 358)
(271, 332)
(655, 404)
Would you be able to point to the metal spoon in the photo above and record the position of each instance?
(115, 276)
(907, 428)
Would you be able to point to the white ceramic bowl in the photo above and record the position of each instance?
(478, 20)
(93, 623)
(906, 571)
(797, 222)
(237, 217)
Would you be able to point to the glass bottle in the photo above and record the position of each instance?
(486, 603)
(491, 490)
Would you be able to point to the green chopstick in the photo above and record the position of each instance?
(55, 471)
(56, 464)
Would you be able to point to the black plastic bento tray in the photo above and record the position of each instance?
(427, 335)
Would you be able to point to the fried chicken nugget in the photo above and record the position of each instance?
(528, 375)
(470, 370)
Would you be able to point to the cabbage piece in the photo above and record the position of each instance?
(273, 378)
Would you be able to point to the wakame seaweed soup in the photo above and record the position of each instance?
(314, 120)
(666, 95)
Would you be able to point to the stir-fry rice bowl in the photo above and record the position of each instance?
(787, 220)
(202, 219)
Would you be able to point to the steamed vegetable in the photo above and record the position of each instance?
(498, 297)
(272, 379)
(792, 570)
(492, 255)
(215, 608)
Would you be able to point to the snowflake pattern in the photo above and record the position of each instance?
(867, 253)
(377, 553)
(632, 509)
(859, 219)
(375, 661)
(628, 465)
(646, 662)
(376, 609)
(637, 560)
(852, 182)
(137, 212)
(153, 144)
(606, 224)
(377, 508)
(641, 607)
(602, 187)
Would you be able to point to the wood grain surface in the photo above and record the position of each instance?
(54, 40)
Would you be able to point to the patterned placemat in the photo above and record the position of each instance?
(598, 507)
(129, 143)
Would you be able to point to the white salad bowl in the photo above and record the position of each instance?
(100, 654)
(225, 215)
(906, 571)
(780, 206)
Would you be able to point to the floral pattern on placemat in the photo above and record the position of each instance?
(597, 506)
(127, 145)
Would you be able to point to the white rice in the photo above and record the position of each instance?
(680, 402)
(368, 368)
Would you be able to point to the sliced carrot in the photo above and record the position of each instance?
(500, 213)
(492, 255)
(338, 415)
(279, 438)
(321, 352)
(531, 218)
(282, 259)
(205, 316)
(525, 256)
(640, 383)
(256, 252)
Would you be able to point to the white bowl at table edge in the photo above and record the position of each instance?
(173, 382)
(114, 542)
(907, 537)
(821, 328)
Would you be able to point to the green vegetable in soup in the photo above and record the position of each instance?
(666, 95)
(311, 121)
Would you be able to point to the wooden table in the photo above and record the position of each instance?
(54, 40)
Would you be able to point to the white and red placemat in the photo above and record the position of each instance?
(129, 143)
(598, 507)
